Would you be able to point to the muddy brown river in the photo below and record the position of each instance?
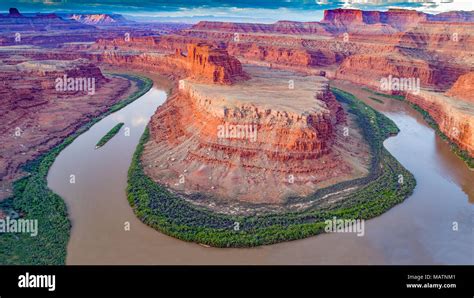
(421, 230)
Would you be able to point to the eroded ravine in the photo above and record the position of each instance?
(418, 231)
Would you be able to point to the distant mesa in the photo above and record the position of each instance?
(400, 19)
(453, 16)
(15, 21)
(13, 12)
(343, 15)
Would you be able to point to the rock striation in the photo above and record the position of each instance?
(208, 64)
(454, 117)
(463, 88)
(396, 65)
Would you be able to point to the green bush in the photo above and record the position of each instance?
(109, 135)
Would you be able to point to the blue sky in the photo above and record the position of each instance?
(227, 10)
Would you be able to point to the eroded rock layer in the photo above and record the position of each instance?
(463, 88)
(454, 117)
(206, 63)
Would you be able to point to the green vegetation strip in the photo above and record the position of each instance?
(462, 154)
(109, 135)
(376, 99)
(388, 184)
(397, 97)
(33, 200)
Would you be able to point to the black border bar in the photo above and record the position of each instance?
(135, 281)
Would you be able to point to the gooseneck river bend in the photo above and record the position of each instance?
(421, 230)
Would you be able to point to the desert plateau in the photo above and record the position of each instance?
(237, 142)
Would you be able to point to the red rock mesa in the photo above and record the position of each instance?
(208, 64)
(289, 144)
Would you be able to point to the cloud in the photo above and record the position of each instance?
(233, 13)
(238, 11)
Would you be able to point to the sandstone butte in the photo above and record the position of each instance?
(205, 63)
(357, 46)
(294, 143)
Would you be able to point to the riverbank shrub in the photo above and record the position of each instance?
(109, 135)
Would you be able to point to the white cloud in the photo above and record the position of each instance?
(429, 6)
(437, 6)
(234, 13)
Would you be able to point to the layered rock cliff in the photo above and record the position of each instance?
(403, 64)
(400, 19)
(208, 64)
(201, 62)
(283, 27)
(455, 118)
(463, 88)
(323, 45)
(385, 65)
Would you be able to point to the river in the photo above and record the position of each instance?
(421, 230)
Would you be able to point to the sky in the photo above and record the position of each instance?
(191, 11)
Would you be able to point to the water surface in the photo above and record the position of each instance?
(418, 231)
